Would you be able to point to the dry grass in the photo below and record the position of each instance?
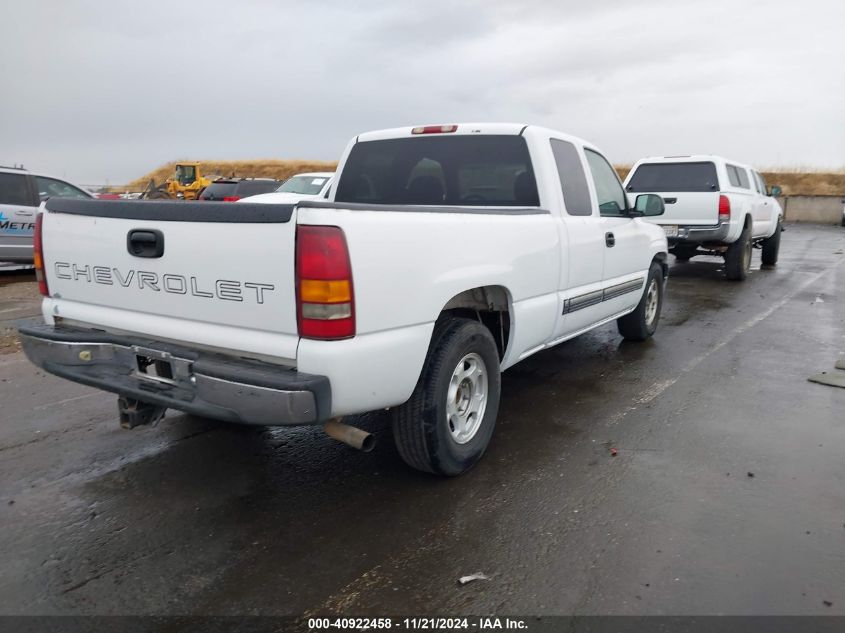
(795, 181)
(807, 183)
(278, 169)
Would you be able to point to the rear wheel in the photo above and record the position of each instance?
(738, 257)
(446, 425)
(642, 322)
(771, 247)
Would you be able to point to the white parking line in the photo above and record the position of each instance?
(66, 400)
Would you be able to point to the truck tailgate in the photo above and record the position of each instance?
(215, 274)
(689, 208)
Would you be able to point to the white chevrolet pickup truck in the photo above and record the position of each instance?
(444, 255)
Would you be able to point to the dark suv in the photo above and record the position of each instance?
(234, 189)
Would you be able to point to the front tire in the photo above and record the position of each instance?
(771, 247)
(738, 257)
(446, 425)
(642, 322)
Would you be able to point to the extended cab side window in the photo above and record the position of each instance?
(573, 180)
(611, 196)
(743, 178)
(50, 188)
(762, 183)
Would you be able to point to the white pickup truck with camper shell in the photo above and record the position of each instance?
(714, 206)
(444, 255)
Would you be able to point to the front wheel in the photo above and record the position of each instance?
(642, 322)
(446, 425)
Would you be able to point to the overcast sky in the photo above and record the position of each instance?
(106, 91)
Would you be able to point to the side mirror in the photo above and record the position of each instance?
(649, 204)
(775, 191)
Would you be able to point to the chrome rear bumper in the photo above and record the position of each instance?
(201, 383)
(693, 234)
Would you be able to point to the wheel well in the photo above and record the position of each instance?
(747, 223)
(489, 305)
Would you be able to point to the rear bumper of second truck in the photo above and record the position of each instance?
(695, 234)
(197, 382)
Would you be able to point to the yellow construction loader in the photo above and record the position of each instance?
(186, 184)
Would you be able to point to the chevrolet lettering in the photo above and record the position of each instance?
(225, 289)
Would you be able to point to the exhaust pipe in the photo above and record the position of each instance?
(350, 435)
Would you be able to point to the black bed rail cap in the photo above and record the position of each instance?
(174, 210)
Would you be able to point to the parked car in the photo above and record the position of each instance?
(21, 192)
(311, 186)
(713, 206)
(233, 189)
(445, 255)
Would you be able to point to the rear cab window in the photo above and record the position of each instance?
(219, 190)
(674, 177)
(254, 187)
(489, 170)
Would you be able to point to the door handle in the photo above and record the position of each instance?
(145, 243)
(609, 239)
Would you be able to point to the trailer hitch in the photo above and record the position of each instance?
(137, 413)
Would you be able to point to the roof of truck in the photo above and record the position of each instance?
(692, 158)
(515, 129)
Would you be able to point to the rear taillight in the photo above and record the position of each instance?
(434, 129)
(724, 209)
(231, 198)
(38, 256)
(325, 304)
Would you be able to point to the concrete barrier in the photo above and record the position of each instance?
(818, 209)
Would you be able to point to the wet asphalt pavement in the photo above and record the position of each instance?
(199, 517)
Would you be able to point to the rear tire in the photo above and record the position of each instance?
(446, 425)
(771, 247)
(642, 322)
(738, 257)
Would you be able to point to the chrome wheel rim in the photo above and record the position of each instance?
(466, 398)
(652, 298)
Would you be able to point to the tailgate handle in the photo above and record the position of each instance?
(145, 243)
